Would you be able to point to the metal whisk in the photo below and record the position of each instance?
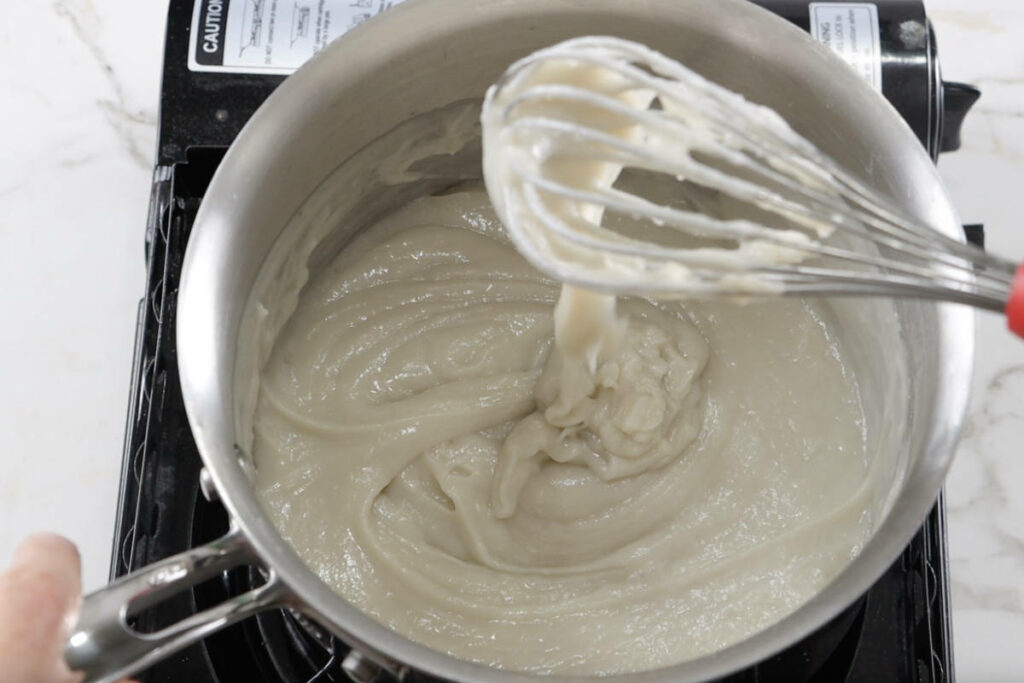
(562, 124)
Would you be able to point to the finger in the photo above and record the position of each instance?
(39, 595)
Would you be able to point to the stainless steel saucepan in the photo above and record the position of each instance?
(427, 56)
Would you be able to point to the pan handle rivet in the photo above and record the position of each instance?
(359, 668)
(207, 487)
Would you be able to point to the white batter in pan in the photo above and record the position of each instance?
(705, 474)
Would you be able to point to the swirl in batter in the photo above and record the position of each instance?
(416, 443)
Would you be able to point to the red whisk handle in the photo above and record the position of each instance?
(1015, 306)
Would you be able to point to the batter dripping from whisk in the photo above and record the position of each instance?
(618, 395)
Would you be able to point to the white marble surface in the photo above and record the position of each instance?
(980, 42)
(79, 94)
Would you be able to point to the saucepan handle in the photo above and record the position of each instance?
(105, 648)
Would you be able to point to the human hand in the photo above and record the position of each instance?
(39, 597)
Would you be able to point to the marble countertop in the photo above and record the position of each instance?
(76, 155)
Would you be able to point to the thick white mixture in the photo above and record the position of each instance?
(712, 479)
(541, 478)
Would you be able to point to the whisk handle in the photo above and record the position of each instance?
(1015, 306)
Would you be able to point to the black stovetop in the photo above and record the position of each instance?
(898, 632)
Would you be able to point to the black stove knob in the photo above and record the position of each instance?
(957, 100)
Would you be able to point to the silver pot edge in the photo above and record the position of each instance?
(923, 481)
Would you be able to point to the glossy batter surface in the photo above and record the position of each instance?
(716, 479)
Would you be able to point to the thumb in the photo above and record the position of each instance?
(39, 595)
